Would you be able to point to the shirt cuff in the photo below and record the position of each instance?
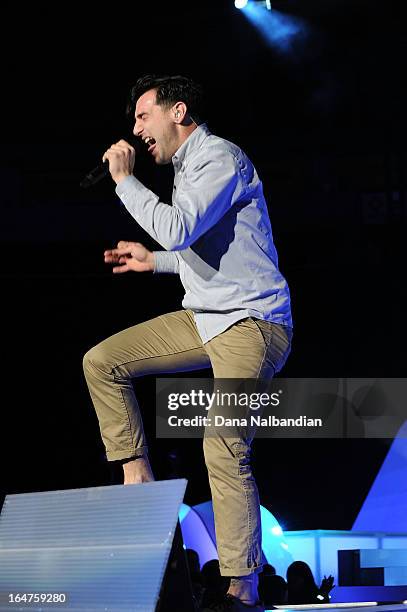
(127, 185)
(165, 262)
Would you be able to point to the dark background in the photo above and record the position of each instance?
(325, 125)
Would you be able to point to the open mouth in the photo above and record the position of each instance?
(150, 142)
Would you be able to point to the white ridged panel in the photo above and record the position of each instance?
(106, 547)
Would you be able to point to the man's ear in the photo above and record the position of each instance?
(180, 111)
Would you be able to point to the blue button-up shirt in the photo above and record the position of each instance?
(217, 235)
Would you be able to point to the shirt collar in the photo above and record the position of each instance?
(194, 141)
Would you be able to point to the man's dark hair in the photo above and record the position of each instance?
(169, 90)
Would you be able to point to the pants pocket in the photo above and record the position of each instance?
(277, 339)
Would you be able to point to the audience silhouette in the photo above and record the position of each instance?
(216, 586)
(302, 588)
(268, 570)
(197, 582)
(272, 589)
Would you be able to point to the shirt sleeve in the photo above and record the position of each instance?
(166, 262)
(206, 190)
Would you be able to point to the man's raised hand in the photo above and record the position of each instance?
(121, 157)
(130, 256)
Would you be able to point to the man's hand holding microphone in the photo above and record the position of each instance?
(121, 158)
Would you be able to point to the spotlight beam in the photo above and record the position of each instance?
(279, 30)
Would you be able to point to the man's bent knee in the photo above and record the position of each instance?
(97, 358)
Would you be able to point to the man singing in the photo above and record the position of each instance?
(236, 315)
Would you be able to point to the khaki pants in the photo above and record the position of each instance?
(250, 348)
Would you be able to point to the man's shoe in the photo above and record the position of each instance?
(232, 604)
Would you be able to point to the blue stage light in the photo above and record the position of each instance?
(241, 4)
(280, 31)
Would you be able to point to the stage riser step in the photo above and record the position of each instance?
(104, 548)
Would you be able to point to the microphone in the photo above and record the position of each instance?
(95, 175)
(102, 170)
